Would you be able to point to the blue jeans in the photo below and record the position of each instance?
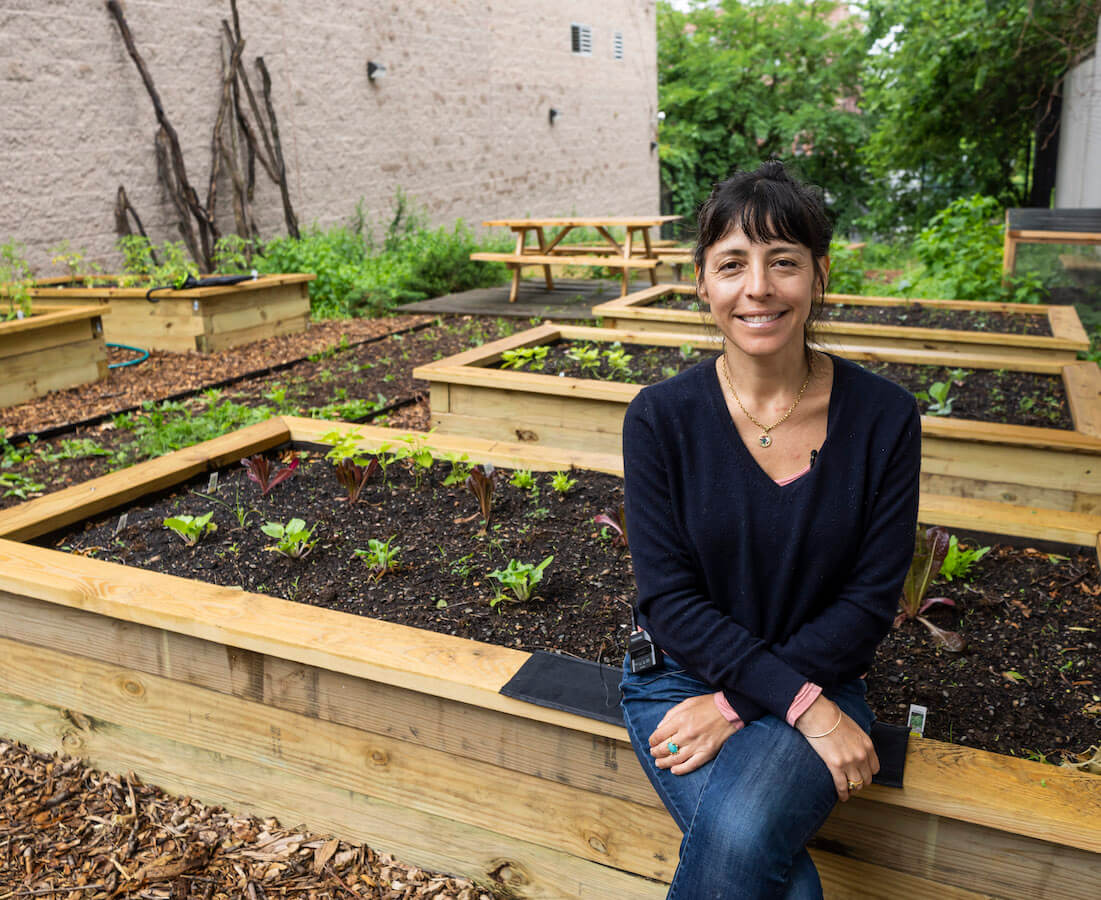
(748, 813)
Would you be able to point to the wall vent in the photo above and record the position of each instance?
(617, 45)
(581, 39)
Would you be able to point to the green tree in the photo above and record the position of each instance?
(740, 82)
(959, 91)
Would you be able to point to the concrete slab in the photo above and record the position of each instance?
(570, 300)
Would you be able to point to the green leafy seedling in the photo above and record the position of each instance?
(585, 355)
(191, 528)
(959, 559)
(562, 483)
(293, 539)
(618, 361)
(940, 404)
(381, 557)
(523, 479)
(520, 578)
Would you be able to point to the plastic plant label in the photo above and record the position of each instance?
(916, 719)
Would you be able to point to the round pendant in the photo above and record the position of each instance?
(764, 440)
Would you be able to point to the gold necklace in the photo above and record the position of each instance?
(765, 440)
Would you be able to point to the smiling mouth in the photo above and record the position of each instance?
(760, 319)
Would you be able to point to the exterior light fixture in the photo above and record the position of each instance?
(553, 114)
(375, 71)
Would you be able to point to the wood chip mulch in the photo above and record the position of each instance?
(165, 374)
(68, 832)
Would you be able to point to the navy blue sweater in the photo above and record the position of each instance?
(757, 588)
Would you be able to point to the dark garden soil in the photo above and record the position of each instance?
(913, 315)
(367, 381)
(71, 832)
(1028, 683)
(1016, 398)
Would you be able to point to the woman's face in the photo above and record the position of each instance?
(760, 294)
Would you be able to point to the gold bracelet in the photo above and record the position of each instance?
(831, 731)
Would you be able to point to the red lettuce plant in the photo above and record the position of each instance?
(614, 518)
(353, 475)
(259, 470)
(931, 546)
(480, 483)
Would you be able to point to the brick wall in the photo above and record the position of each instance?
(460, 121)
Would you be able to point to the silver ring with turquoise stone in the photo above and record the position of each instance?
(672, 748)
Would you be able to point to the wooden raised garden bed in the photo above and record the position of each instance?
(52, 349)
(1026, 466)
(400, 737)
(643, 311)
(205, 319)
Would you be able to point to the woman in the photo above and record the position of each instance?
(771, 501)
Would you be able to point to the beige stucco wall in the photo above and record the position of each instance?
(460, 121)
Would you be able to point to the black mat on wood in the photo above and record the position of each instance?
(592, 690)
(570, 299)
(1024, 219)
(569, 684)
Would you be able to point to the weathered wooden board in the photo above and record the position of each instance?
(582, 823)
(51, 350)
(381, 766)
(416, 837)
(1083, 381)
(204, 319)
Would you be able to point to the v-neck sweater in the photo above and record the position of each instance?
(758, 587)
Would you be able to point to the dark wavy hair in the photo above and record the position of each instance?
(768, 204)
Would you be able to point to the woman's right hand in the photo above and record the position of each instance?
(846, 749)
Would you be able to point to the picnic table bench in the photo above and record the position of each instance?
(626, 255)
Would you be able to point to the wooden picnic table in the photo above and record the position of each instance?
(626, 255)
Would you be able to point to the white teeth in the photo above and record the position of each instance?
(760, 320)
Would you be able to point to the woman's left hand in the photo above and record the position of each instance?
(697, 730)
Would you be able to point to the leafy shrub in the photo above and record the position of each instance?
(15, 276)
(961, 255)
(846, 270)
(163, 264)
(356, 276)
(336, 256)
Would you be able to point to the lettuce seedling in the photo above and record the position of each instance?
(562, 483)
(614, 518)
(259, 470)
(520, 578)
(618, 360)
(586, 356)
(523, 479)
(480, 483)
(536, 357)
(381, 558)
(460, 468)
(940, 404)
(191, 528)
(930, 549)
(412, 448)
(353, 475)
(345, 445)
(959, 560)
(293, 539)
